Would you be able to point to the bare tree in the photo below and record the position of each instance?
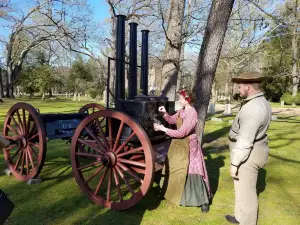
(1, 85)
(288, 17)
(39, 25)
(295, 74)
(209, 55)
(5, 8)
(171, 60)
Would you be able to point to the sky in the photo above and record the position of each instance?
(100, 9)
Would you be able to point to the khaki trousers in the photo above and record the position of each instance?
(246, 203)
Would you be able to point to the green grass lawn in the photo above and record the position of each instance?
(58, 199)
(278, 105)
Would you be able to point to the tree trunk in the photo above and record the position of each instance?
(10, 78)
(1, 85)
(50, 93)
(171, 60)
(6, 85)
(209, 56)
(295, 52)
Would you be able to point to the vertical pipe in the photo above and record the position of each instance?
(132, 79)
(144, 62)
(107, 83)
(120, 58)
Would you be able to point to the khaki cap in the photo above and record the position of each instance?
(248, 77)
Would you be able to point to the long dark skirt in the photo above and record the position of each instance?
(195, 192)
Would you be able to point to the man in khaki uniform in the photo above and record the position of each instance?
(248, 147)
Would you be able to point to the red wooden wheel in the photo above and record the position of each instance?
(26, 153)
(120, 172)
(91, 108)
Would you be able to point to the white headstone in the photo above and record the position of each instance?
(104, 96)
(211, 108)
(274, 117)
(7, 172)
(216, 119)
(282, 103)
(74, 98)
(227, 111)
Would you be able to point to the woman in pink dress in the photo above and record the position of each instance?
(195, 189)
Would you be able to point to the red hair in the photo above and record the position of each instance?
(186, 95)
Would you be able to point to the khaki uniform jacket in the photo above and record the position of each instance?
(250, 125)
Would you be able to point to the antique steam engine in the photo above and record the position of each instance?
(143, 107)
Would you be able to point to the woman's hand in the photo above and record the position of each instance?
(159, 127)
(162, 109)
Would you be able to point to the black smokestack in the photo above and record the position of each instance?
(120, 57)
(144, 63)
(132, 79)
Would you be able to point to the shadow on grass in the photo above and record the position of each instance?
(212, 136)
(261, 181)
(132, 216)
(284, 159)
(30, 210)
(213, 166)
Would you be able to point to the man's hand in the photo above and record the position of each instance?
(233, 171)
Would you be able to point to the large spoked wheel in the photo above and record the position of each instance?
(120, 171)
(91, 108)
(26, 153)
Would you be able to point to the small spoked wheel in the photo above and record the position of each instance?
(119, 172)
(26, 153)
(91, 108)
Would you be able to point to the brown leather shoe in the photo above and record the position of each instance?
(231, 219)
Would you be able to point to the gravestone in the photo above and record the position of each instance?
(274, 117)
(104, 97)
(34, 181)
(216, 119)
(211, 108)
(227, 111)
(7, 172)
